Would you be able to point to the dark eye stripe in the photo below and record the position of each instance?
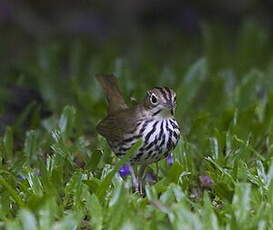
(157, 112)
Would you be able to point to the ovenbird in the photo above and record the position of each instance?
(152, 120)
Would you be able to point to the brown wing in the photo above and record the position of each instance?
(116, 125)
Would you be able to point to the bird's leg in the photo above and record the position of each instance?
(141, 177)
(138, 177)
(134, 178)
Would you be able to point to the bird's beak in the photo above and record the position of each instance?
(170, 107)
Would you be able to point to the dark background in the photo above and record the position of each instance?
(101, 19)
(26, 23)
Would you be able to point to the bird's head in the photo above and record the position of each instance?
(161, 101)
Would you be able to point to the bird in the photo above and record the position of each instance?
(152, 121)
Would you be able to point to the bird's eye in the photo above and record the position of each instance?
(153, 99)
(174, 98)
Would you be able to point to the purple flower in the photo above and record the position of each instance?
(150, 177)
(205, 181)
(170, 159)
(124, 170)
(20, 177)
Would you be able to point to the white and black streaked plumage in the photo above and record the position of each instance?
(152, 121)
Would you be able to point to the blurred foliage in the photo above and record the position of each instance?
(56, 173)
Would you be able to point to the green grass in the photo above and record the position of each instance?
(59, 174)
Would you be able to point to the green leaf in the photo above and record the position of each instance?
(31, 145)
(107, 180)
(13, 193)
(8, 143)
(241, 202)
(28, 220)
(96, 212)
(67, 120)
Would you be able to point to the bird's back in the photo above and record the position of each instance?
(119, 124)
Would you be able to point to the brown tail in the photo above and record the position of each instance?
(110, 87)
